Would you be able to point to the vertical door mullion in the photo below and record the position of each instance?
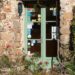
(43, 33)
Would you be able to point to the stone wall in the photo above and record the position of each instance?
(66, 15)
(11, 28)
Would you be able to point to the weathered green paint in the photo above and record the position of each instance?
(43, 32)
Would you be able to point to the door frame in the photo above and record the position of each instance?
(43, 37)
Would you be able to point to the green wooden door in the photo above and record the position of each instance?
(41, 33)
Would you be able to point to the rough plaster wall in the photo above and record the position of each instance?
(11, 29)
(66, 16)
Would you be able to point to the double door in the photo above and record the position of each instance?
(42, 31)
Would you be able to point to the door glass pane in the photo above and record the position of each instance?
(51, 14)
(53, 32)
(51, 29)
(34, 46)
(51, 48)
(51, 11)
(34, 30)
(34, 27)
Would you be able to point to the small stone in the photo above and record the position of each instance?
(7, 7)
(65, 30)
(64, 39)
(67, 15)
(2, 16)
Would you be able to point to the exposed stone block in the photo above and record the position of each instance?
(2, 16)
(67, 15)
(65, 29)
(64, 39)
